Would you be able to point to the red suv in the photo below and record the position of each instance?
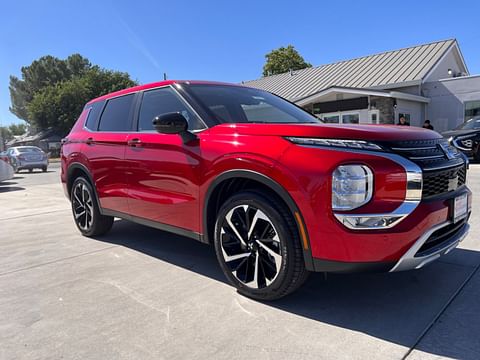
(277, 192)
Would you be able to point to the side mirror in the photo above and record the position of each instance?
(173, 123)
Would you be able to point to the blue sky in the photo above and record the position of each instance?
(221, 40)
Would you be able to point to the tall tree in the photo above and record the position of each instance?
(52, 92)
(282, 60)
(17, 129)
(5, 134)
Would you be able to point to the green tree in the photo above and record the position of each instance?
(5, 134)
(52, 92)
(282, 60)
(17, 129)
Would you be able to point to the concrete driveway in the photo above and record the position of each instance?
(139, 293)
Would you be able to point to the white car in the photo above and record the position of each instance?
(6, 171)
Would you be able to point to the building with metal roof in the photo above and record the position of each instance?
(383, 87)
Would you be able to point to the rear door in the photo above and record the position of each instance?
(105, 150)
(163, 171)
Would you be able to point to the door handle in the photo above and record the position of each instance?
(90, 141)
(134, 142)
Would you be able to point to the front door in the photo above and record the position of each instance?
(163, 171)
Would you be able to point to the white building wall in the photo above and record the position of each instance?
(446, 109)
(415, 109)
(452, 61)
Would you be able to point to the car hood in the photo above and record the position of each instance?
(450, 133)
(331, 131)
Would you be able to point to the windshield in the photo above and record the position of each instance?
(470, 124)
(237, 104)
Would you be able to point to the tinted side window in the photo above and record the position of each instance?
(92, 119)
(116, 116)
(162, 101)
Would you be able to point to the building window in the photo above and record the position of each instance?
(405, 115)
(341, 118)
(472, 109)
(331, 119)
(374, 116)
(351, 118)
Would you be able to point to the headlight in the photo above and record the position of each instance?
(352, 186)
(353, 144)
(464, 143)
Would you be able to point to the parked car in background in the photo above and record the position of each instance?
(4, 156)
(6, 170)
(466, 138)
(27, 158)
(276, 192)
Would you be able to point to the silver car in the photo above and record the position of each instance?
(27, 158)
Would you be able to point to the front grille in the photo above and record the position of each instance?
(440, 182)
(442, 165)
(428, 154)
(440, 238)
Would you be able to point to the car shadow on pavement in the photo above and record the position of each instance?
(174, 249)
(25, 172)
(7, 183)
(396, 307)
(7, 186)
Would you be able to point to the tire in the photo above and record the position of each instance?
(266, 264)
(30, 170)
(44, 169)
(14, 166)
(85, 210)
(476, 155)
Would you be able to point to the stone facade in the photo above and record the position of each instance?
(385, 105)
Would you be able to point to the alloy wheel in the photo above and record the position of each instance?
(250, 246)
(82, 206)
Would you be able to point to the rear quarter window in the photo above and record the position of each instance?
(94, 111)
(117, 114)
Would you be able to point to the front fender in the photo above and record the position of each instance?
(261, 170)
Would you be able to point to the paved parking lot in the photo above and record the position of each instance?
(139, 293)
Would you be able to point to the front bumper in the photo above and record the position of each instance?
(415, 258)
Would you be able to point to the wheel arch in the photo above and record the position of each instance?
(211, 205)
(75, 170)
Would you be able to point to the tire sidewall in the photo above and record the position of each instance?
(96, 212)
(258, 201)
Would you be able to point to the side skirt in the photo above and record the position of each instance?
(154, 224)
(331, 266)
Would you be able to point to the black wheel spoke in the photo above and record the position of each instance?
(82, 206)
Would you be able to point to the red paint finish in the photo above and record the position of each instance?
(163, 179)
(159, 178)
